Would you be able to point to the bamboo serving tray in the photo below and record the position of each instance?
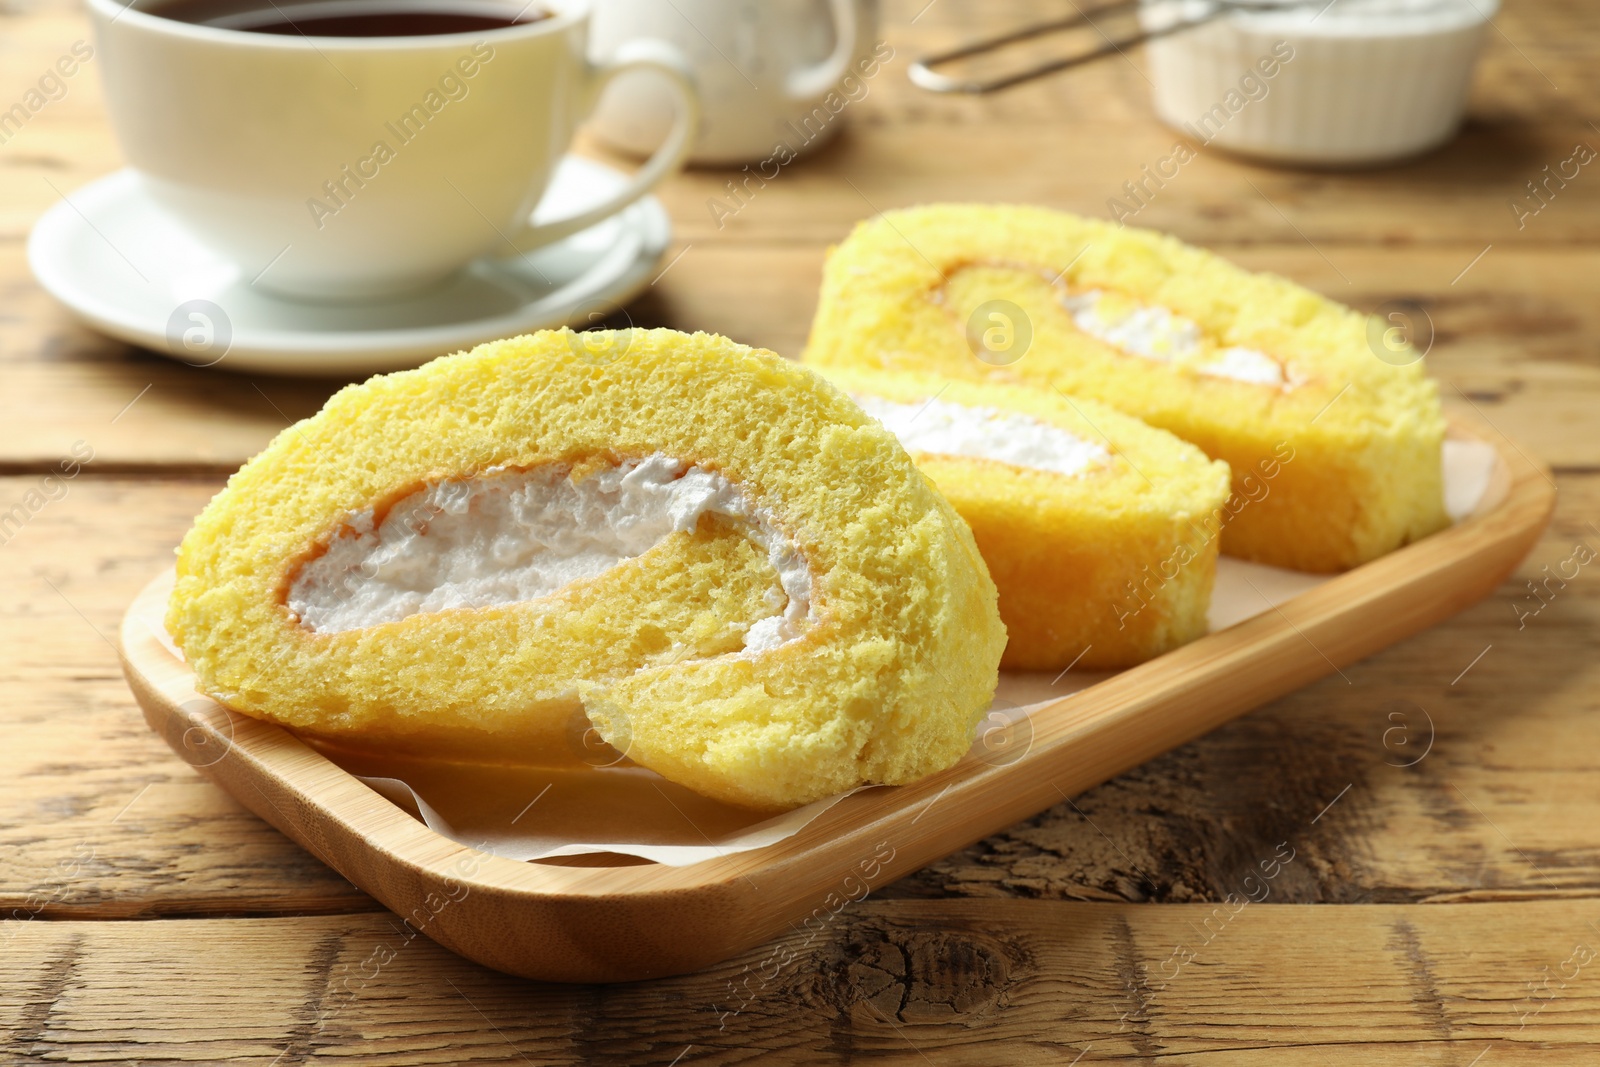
(599, 919)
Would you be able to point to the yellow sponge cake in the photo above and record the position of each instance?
(1255, 370)
(1100, 532)
(743, 581)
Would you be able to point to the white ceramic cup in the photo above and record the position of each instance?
(343, 168)
(765, 70)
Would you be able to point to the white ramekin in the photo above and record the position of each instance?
(1368, 81)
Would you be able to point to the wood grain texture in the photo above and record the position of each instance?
(1517, 735)
(80, 771)
(887, 982)
(1503, 808)
(1513, 345)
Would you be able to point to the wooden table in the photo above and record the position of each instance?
(1445, 912)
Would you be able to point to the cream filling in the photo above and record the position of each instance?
(1154, 333)
(943, 428)
(506, 536)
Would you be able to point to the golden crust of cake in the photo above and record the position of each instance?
(885, 685)
(1106, 568)
(1354, 442)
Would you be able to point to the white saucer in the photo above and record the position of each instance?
(125, 267)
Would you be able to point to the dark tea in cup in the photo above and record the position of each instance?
(348, 18)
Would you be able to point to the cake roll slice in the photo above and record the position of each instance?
(708, 553)
(1336, 453)
(1101, 533)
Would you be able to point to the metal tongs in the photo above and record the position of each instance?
(923, 74)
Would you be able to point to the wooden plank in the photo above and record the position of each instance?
(85, 780)
(1460, 196)
(893, 982)
(1513, 344)
(1503, 806)
(1448, 198)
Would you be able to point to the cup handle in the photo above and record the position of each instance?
(640, 54)
(851, 24)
